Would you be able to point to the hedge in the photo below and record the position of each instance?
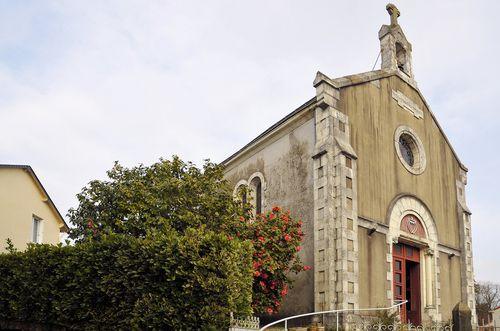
(166, 281)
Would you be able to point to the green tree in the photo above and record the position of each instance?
(166, 195)
(173, 195)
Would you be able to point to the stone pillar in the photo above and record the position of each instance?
(465, 226)
(429, 278)
(335, 204)
(462, 317)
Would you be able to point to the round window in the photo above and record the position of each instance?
(410, 150)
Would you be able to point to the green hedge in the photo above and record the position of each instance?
(166, 282)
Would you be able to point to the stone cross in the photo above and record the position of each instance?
(394, 12)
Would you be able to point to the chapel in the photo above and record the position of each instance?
(379, 187)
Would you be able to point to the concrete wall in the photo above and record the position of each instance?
(372, 269)
(450, 284)
(20, 199)
(285, 161)
(374, 117)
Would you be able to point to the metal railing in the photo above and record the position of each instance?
(336, 312)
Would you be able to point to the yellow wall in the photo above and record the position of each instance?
(372, 269)
(449, 273)
(374, 117)
(20, 199)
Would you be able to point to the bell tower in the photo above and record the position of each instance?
(394, 48)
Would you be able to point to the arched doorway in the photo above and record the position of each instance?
(412, 240)
(406, 271)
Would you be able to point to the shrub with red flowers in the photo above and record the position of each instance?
(276, 238)
(176, 196)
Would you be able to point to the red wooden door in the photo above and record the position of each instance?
(406, 281)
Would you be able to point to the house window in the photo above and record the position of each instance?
(37, 230)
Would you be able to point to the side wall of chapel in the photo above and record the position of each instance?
(284, 161)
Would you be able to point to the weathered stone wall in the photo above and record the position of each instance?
(286, 164)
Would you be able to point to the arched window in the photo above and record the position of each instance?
(241, 192)
(256, 187)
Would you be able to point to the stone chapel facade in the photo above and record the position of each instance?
(379, 188)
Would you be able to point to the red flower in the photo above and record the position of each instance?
(261, 239)
(287, 237)
(276, 209)
(229, 237)
(277, 303)
(298, 248)
(242, 218)
(272, 216)
(307, 267)
(284, 291)
(262, 284)
(256, 265)
(264, 275)
(269, 310)
(256, 273)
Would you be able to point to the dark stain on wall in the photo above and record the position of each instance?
(291, 187)
(289, 184)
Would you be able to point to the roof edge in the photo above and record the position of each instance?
(233, 156)
(346, 81)
(369, 76)
(40, 185)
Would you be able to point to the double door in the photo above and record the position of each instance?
(406, 281)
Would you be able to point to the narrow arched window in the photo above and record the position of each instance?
(241, 192)
(256, 186)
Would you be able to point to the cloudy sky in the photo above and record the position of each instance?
(84, 83)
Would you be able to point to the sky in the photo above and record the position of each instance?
(85, 83)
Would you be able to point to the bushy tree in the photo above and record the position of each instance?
(165, 195)
(164, 281)
(175, 196)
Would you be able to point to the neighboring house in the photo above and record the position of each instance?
(27, 214)
(492, 323)
(495, 318)
(380, 189)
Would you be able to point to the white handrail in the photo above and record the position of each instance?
(329, 312)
